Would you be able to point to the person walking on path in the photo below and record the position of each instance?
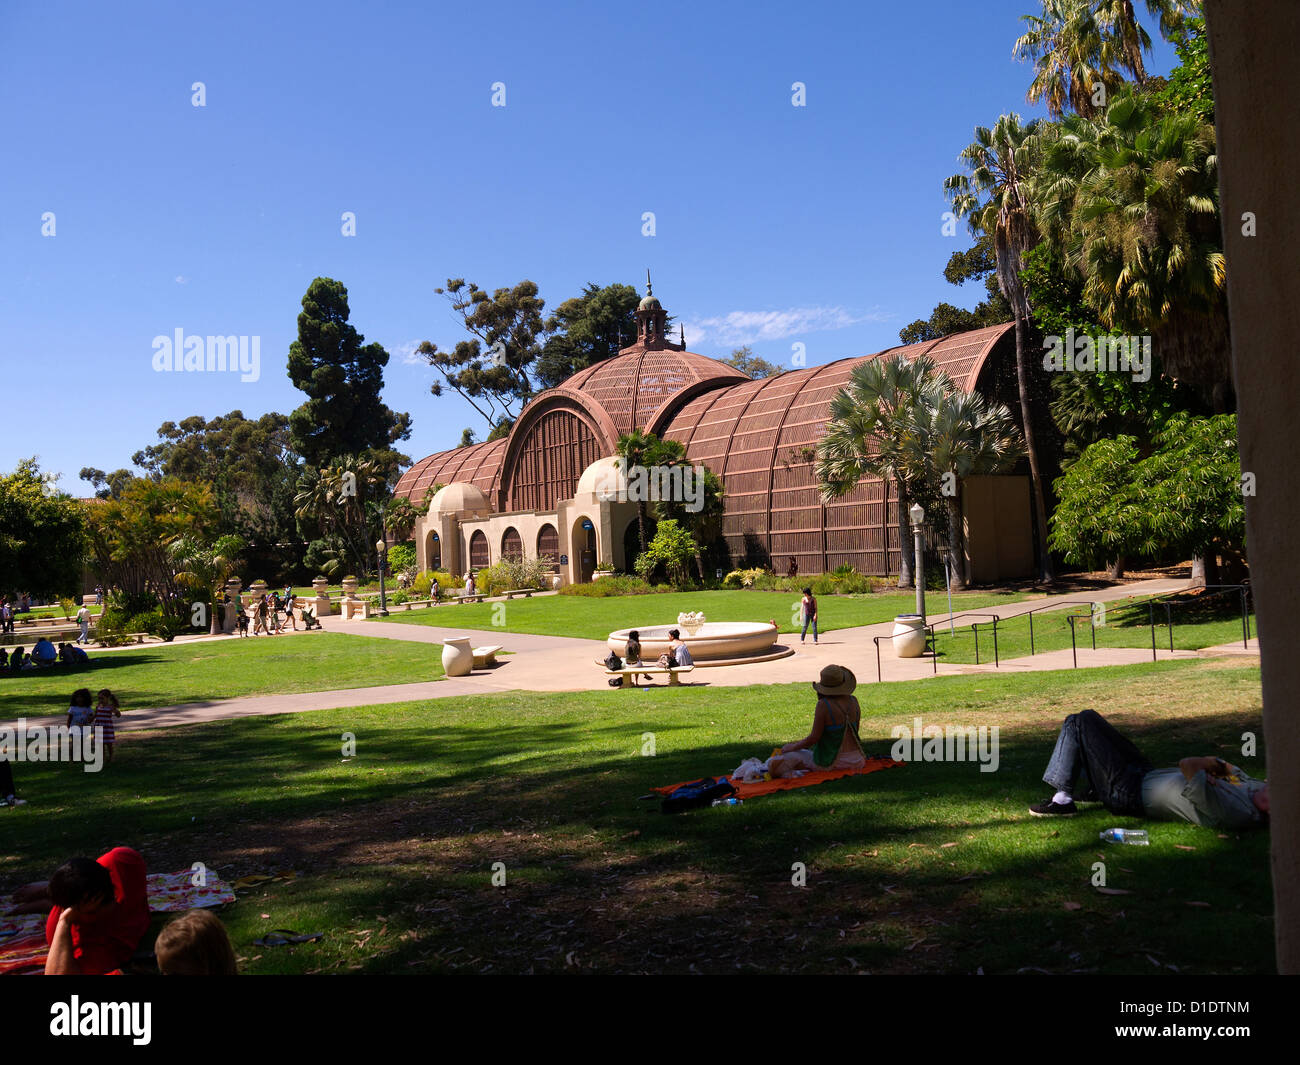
(808, 614)
(83, 619)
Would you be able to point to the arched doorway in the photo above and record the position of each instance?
(512, 545)
(433, 551)
(479, 553)
(584, 547)
(548, 546)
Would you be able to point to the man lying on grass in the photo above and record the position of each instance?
(1205, 791)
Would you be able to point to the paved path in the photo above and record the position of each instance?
(559, 663)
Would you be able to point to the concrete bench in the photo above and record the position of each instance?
(625, 674)
(527, 593)
(485, 656)
(475, 598)
(418, 602)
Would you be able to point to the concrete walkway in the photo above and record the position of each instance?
(560, 663)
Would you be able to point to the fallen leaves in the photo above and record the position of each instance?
(1073, 905)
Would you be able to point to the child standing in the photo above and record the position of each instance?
(80, 712)
(106, 709)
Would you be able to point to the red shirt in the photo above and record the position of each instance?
(108, 943)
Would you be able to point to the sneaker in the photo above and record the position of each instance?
(1054, 809)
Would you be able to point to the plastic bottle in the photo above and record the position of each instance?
(733, 801)
(1133, 836)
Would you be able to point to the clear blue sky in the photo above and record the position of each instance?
(775, 224)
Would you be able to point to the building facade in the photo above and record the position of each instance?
(552, 488)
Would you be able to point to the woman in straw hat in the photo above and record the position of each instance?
(833, 741)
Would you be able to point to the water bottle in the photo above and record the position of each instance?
(733, 801)
(1134, 836)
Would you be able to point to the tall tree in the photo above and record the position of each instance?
(586, 330)
(994, 196)
(638, 449)
(343, 377)
(491, 372)
(1118, 21)
(1075, 61)
(744, 360)
(42, 534)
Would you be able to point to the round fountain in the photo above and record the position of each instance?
(715, 643)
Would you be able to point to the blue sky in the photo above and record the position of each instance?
(774, 224)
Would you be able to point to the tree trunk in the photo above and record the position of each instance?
(1116, 570)
(1198, 572)
(956, 557)
(1252, 60)
(1031, 449)
(640, 524)
(905, 559)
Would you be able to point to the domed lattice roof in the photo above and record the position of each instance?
(459, 497)
(634, 384)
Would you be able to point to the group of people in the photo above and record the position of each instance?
(11, 608)
(83, 714)
(264, 616)
(43, 655)
(678, 655)
(99, 915)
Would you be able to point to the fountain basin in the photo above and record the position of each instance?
(715, 642)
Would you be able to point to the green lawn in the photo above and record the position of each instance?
(166, 674)
(1197, 625)
(595, 619)
(932, 867)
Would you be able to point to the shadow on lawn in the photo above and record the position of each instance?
(422, 812)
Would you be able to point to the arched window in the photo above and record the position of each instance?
(479, 554)
(434, 551)
(548, 544)
(512, 546)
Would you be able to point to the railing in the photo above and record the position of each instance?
(934, 651)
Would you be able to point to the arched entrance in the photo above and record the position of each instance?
(433, 551)
(512, 545)
(479, 553)
(548, 546)
(584, 547)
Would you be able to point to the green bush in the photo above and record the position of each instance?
(424, 581)
(615, 585)
(399, 597)
(68, 607)
(401, 557)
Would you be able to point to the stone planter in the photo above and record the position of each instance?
(909, 635)
(257, 590)
(349, 587)
(320, 586)
(457, 657)
(556, 581)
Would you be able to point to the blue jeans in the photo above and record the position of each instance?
(1112, 766)
(806, 622)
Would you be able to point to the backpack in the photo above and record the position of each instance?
(697, 793)
(667, 660)
(613, 663)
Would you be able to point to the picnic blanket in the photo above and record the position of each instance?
(22, 938)
(751, 790)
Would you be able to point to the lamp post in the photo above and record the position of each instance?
(381, 549)
(917, 513)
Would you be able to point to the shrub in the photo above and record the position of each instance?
(68, 607)
(424, 581)
(399, 597)
(603, 587)
(401, 557)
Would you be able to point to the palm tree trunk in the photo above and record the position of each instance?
(1117, 568)
(956, 557)
(640, 524)
(905, 559)
(1031, 449)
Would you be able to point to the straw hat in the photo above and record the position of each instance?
(836, 680)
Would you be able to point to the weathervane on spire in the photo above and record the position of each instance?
(648, 290)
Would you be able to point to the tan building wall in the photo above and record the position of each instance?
(998, 529)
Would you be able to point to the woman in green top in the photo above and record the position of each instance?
(833, 742)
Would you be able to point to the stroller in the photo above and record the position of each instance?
(310, 620)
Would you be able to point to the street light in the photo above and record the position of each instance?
(917, 513)
(381, 548)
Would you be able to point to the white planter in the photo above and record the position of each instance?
(556, 582)
(457, 657)
(909, 636)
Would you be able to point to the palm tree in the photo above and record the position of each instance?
(1131, 202)
(334, 497)
(865, 436)
(636, 449)
(964, 436)
(1118, 20)
(1072, 57)
(994, 197)
(205, 568)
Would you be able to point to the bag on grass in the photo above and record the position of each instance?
(697, 793)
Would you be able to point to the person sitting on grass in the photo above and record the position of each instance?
(44, 653)
(100, 913)
(681, 654)
(16, 660)
(195, 944)
(833, 742)
(1203, 791)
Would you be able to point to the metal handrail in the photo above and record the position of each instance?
(934, 649)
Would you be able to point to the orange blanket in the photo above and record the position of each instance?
(817, 776)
